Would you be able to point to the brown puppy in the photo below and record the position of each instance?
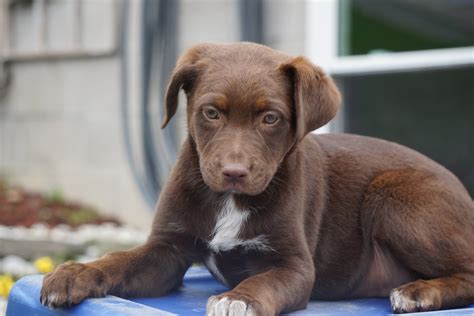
(281, 216)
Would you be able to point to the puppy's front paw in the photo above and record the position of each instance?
(233, 304)
(71, 283)
(415, 297)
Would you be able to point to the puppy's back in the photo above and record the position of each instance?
(350, 153)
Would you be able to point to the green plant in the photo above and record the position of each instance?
(55, 196)
(3, 181)
(81, 216)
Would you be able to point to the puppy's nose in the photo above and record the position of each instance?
(234, 172)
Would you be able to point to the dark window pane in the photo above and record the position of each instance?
(430, 111)
(405, 25)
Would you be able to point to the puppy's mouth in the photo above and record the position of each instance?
(248, 186)
(241, 190)
(231, 187)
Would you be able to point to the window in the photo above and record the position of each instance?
(406, 70)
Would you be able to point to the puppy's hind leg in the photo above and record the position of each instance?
(455, 290)
(429, 227)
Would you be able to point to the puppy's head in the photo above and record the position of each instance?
(248, 106)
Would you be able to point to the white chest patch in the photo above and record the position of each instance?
(229, 224)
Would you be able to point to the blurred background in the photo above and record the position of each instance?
(82, 158)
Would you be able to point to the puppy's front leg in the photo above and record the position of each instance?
(284, 288)
(151, 269)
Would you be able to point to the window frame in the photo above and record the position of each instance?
(325, 51)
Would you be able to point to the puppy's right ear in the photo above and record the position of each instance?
(187, 70)
(316, 97)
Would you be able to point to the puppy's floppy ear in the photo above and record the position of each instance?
(187, 69)
(316, 97)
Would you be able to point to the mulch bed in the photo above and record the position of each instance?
(19, 207)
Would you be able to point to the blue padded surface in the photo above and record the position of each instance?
(188, 300)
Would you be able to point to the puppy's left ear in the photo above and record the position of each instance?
(187, 70)
(316, 97)
(182, 77)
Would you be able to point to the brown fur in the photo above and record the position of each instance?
(346, 216)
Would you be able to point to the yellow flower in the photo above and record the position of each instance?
(6, 284)
(44, 264)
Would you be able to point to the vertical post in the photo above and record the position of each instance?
(4, 30)
(39, 16)
(117, 7)
(77, 24)
(4, 44)
(321, 36)
(251, 20)
(344, 27)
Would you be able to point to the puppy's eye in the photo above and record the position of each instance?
(211, 113)
(270, 119)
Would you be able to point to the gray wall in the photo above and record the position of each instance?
(60, 125)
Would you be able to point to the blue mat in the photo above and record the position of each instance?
(188, 300)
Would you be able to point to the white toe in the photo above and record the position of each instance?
(227, 307)
(222, 307)
(400, 302)
(237, 308)
(52, 299)
(211, 303)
